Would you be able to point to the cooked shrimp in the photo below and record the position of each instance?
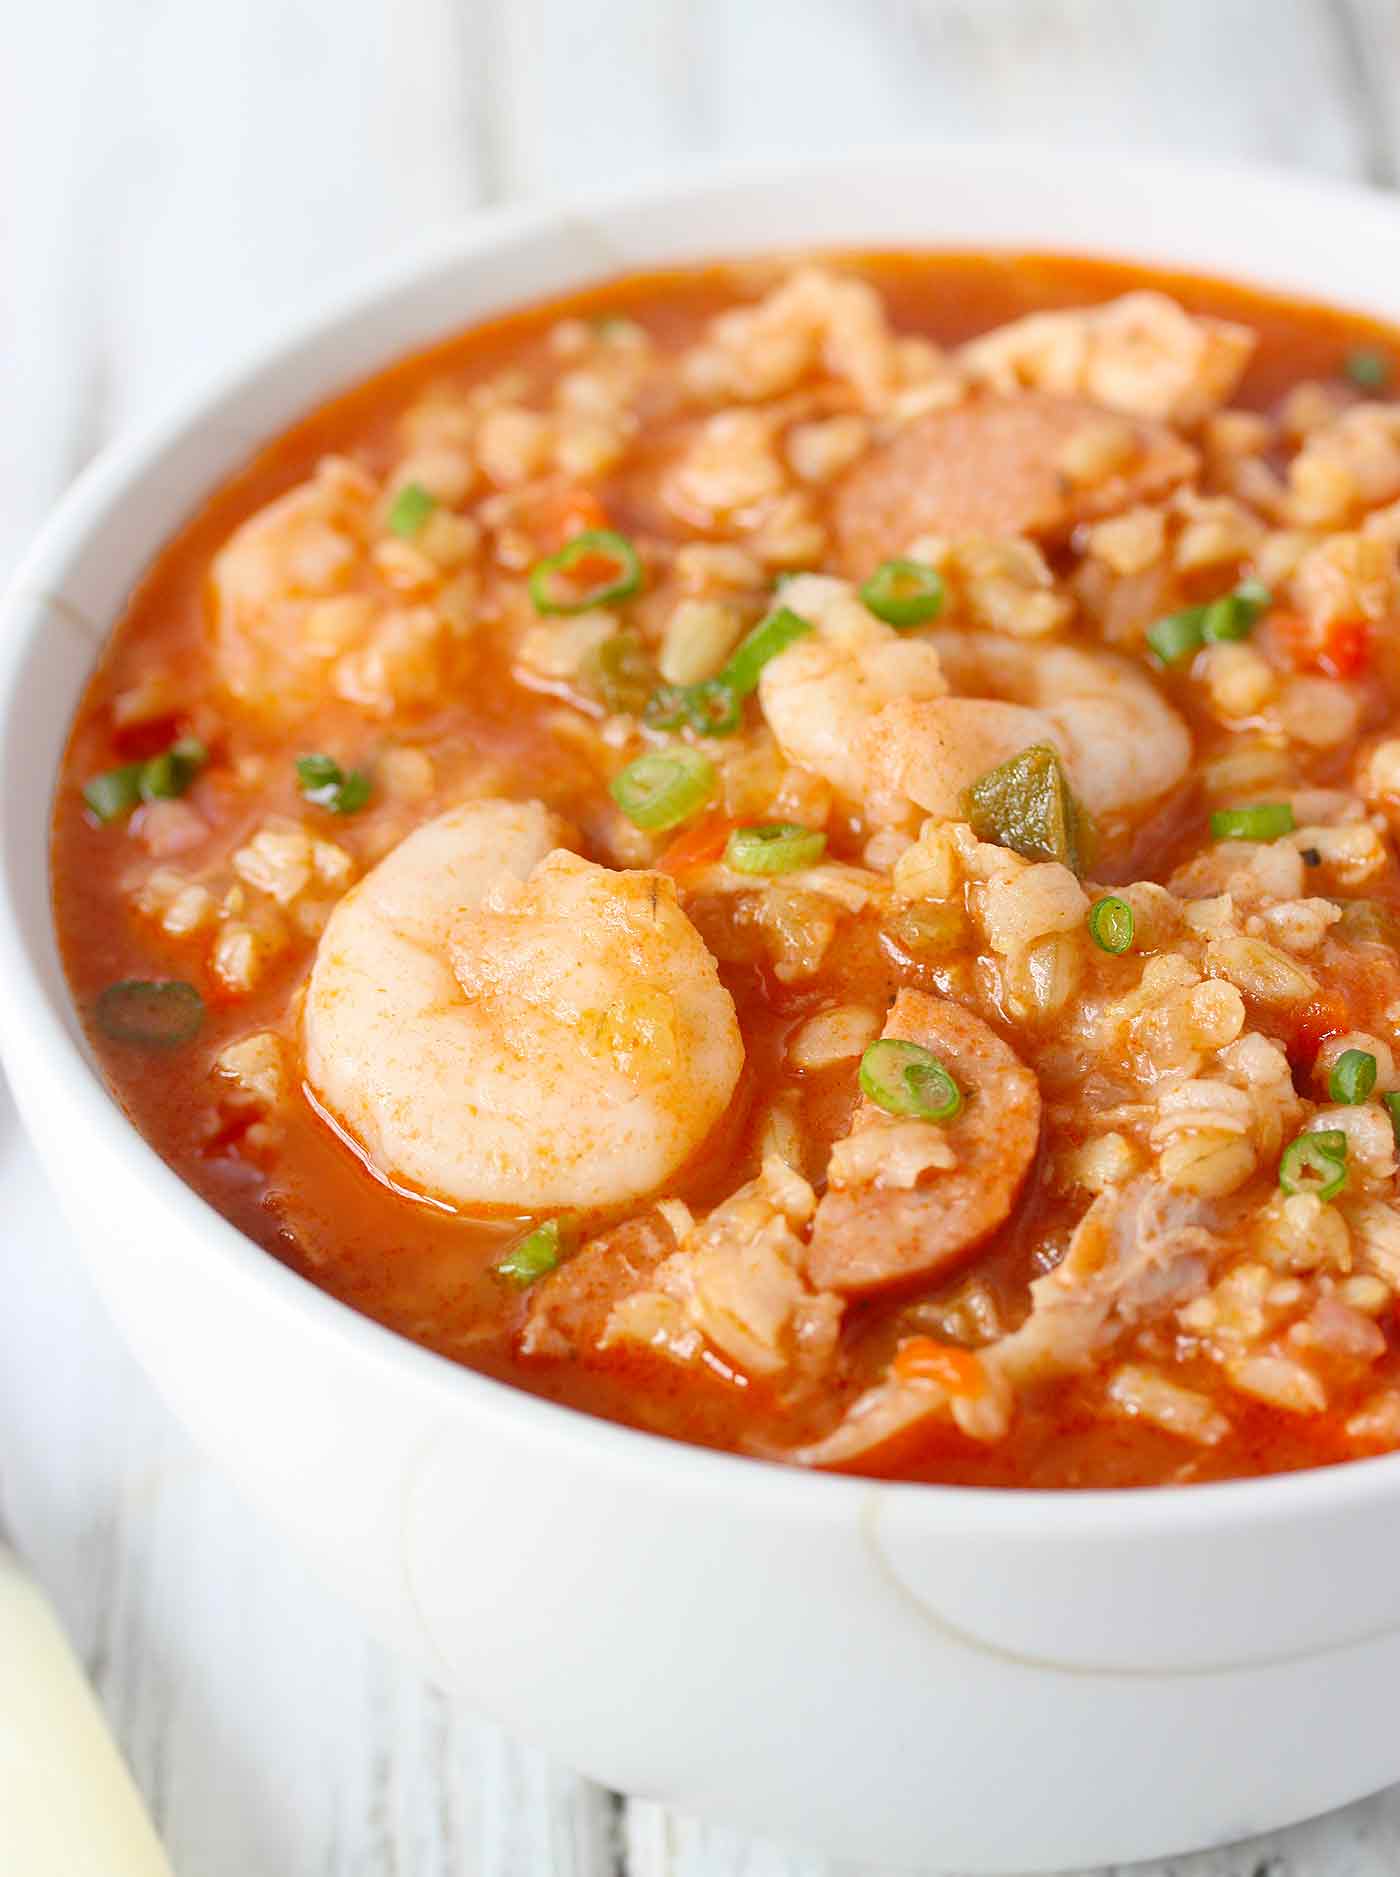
(992, 467)
(496, 1022)
(881, 1221)
(1121, 743)
(820, 694)
(869, 710)
(299, 603)
(1141, 354)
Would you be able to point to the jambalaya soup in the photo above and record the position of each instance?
(802, 856)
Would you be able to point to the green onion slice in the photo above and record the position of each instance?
(1352, 1077)
(1391, 1103)
(160, 1013)
(593, 569)
(904, 1078)
(1111, 924)
(774, 847)
(715, 706)
(668, 707)
(1026, 804)
(409, 509)
(534, 1255)
(1368, 368)
(325, 784)
(1315, 1163)
(620, 674)
(1235, 615)
(709, 708)
(1176, 636)
(115, 792)
(904, 593)
(1265, 821)
(171, 773)
(664, 788)
(769, 637)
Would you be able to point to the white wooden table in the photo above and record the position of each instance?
(175, 175)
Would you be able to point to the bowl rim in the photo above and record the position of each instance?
(32, 1028)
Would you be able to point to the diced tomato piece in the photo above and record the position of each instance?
(1341, 649)
(562, 511)
(921, 1359)
(136, 742)
(701, 844)
(1315, 1022)
(1346, 649)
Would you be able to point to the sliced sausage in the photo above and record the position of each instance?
(991, 467)
(569, 1309)
(870, 1236)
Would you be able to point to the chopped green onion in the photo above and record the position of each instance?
(1391, 1103)
(1265, 821)
(715, 706)
(668, 707)
(317, 772)
(157, 1013)
(594, 569)
(904, 593)
(613, 325)
(171, 773)
(1026, 804)
(709, 708)
(620, 674)
(352, 794)
(904, 1078)
(323, 782)
(1176, 636)
(1315, 1163)
(769, 637)
(1111, 924)
(663, 789)
(1368, 368)
(775, 847)
(409, 509)
(1235, 615)
(535, 1255)
(115, 792)
(1352, 1077)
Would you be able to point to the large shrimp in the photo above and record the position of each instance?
(1121, 743)
(883, 1220)
(299, 604)
(496, 1022)
(821, 694)
(873, 713)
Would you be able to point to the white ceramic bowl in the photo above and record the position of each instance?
(914, 1674)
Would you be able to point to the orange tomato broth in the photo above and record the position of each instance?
(422, 1271)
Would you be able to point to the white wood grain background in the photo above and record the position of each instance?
(175, 176)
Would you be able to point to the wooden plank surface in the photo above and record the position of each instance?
(175, 178)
